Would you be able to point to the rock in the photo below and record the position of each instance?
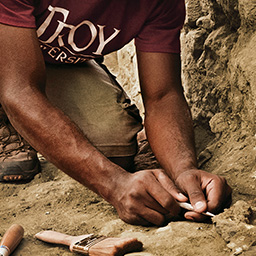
(205, 22)
(194, 12)
(218, 122)
(195, 41)
(236, 228)
(216, 39)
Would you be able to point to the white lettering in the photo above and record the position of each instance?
(62, 56)
(52, 52)
(70, 60)
(103, 43)
(60, 40)
(72, 34)
(71, 31)
(48, 20)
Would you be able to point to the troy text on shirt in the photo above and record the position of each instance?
(64, 49)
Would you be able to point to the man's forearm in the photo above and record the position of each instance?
(47, 129)
(52, 133)
(170, 133)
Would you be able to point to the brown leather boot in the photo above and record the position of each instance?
(18, 160)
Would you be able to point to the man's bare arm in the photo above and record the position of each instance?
(169, 130)
(47, 129)
(164, 101)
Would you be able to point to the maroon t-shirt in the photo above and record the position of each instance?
(72, 31)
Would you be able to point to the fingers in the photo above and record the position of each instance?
(206, 192)
(151, 195)
(223, 202)
(194, 216)
(218, 193)
(195, 193)
(153, 217)
(169, 185)
(147, 201)
(164, 197)
(159, 202)
(165, 200)
(143, 216)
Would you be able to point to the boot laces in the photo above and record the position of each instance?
(12, 143)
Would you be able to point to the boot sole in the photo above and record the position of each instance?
(15, 171)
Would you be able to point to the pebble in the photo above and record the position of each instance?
(238, 251)
(164, 229)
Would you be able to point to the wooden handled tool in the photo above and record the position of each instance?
(11, 239)
(92, 245)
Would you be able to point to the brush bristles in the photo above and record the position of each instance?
(115, 247)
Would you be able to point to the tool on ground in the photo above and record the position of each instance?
(189, 207)
(11, 239)
(91, 244)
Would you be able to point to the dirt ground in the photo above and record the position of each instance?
(56, 202)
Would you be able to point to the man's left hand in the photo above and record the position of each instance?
(206, 192)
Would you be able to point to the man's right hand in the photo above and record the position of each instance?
(146, 197)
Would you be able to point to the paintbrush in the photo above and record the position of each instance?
(189, 207)
(91, 244)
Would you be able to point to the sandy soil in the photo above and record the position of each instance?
(56, 202)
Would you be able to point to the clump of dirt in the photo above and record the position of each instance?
(237, 226)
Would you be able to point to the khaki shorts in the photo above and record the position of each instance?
(91, 97)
